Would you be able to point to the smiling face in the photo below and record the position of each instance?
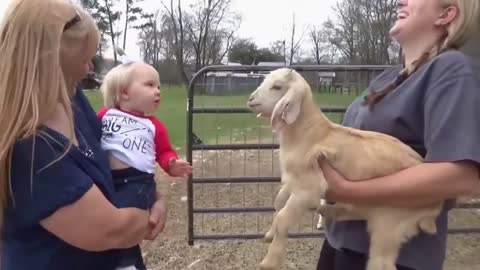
(418, 18)
(143, 92)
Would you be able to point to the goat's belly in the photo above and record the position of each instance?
(313, 181)
(397, 213)
(398, 219)
(361, 167)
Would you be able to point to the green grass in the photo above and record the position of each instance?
(218, 128)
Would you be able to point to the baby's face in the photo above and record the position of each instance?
(143, 93)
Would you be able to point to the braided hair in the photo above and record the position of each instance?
(376, 96)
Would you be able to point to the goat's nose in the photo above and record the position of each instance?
(251, 98)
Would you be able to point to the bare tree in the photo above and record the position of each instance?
(207, 28)
(177, 21)
(132, 14)
(323, 51)
(278, 48)
(294, 44)
(361, 31)
(112, 17)
(150, 39)
(107, 16)
(95, 9)
(202, 34)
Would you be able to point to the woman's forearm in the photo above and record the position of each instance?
(132, 227)
(422, 185)
(92, 223)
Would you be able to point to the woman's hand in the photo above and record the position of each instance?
(158, 217)
(338, 185)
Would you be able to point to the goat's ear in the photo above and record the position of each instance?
(286, 110)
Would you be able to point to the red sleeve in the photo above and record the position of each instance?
(102, 112)
(164, 150)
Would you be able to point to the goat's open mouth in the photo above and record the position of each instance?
(252, 107)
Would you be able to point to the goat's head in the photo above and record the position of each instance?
(279, 97)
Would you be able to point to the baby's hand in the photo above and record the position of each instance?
(179, 168)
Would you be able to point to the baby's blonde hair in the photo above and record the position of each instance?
(115, 81)
(40, 41)
(118, 79)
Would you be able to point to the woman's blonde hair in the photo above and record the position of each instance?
(115, 81)
(37, 39)
(457, 33)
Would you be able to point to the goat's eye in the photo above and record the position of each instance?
(276, 87)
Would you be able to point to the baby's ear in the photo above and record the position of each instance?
(123, 94)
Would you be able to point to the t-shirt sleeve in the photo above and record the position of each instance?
(101, 113)
(41, 182)
(451, 125)
(163, 147)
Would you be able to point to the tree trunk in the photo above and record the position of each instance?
(127, 9)
(112, 33)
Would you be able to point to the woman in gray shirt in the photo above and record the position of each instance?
(432, 103)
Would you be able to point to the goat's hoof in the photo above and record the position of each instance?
(264, 265)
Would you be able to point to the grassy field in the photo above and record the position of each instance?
(218, 128)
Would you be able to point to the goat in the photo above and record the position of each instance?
(305, 136)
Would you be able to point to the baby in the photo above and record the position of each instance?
(135, 141)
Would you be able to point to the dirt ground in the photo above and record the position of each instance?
(171, 251)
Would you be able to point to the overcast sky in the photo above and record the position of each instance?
(262, 20)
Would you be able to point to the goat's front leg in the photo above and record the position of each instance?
(280, 200)
(297, 204)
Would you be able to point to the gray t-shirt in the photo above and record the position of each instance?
(435, 111)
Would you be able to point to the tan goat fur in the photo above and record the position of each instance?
(306, 135)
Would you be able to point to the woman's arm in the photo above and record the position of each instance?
(451, 139)
(93, 223)
(422, 185)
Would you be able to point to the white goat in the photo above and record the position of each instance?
(306, 135)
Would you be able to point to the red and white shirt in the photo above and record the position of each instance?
(136, 140)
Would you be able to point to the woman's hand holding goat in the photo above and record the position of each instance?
(338, 185)
(418, 186)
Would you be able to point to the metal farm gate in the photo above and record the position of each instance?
(235, 156)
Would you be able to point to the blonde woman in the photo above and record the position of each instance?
(56, 188)
(432, 104)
